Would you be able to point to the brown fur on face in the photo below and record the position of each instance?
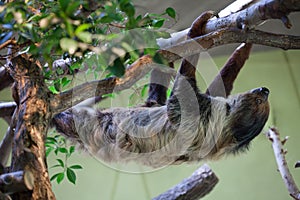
(250, 112)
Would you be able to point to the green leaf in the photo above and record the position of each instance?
(144, 90)
(82, 28)
(61, 163)
(128, 8)
(71, 175)
(48, 151)
(54, 176)
(71, 9)
(118, 68)
(106, 19)
(65, 81)
(51, 140)
(171, 12)
(62, 150)
(71, 149)
(76, 167)
(169, 91)
(158, 23)
(64, 4)
(53, 89)
(60, 177)
(54, 166)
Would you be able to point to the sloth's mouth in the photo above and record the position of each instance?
(262, 91)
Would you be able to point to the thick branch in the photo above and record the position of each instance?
(33, 119)
(5, 78)
(255, 14)
(283, 168)
(229, 36)
(98, 88)
(143, 65)
(6, 143)
(199, 184)
(7, 109)
(252, 16)
(19, 181)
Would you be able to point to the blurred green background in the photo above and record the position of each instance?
(248, 176)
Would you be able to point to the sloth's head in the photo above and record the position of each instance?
(248, 113)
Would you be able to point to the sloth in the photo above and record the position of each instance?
(190, 126)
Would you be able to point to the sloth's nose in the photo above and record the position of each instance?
(262, 91)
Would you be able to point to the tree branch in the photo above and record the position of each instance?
(5, 78)
(229, 36)
(143, 65)
(255, 15)
(98, 88)
(277, 144)
(7, 110)
(6, 143)
(34, 117)
(199, 184)
(242, 14)
(19, 181)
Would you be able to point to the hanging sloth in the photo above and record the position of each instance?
(190, 126)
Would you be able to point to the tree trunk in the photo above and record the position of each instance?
(32, 97)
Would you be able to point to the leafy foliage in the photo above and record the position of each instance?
(57, 145)
(95, 36)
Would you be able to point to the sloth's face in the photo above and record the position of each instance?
(248, 113)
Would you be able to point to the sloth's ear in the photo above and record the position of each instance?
(223, 83)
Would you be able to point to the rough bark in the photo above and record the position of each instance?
(248, 15)
(199, 184)
(33, 119)
(256, 14)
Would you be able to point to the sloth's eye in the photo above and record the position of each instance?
(258, 101)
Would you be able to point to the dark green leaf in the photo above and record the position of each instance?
(128, 8)
(158, 23)
(64, 4)
(65, 81)
(71, 9)
(61, 163)
(54, 166)
(118, 68)
(54, 176)
(62, 150)
(76, 167)
(48, 151)
(71, 175)
(171, 12)
(71, 149)
(51, 140)
(106, 19)
(60, 177)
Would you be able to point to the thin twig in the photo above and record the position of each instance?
(274, 137)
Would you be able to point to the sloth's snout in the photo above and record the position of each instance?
(263, 91)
